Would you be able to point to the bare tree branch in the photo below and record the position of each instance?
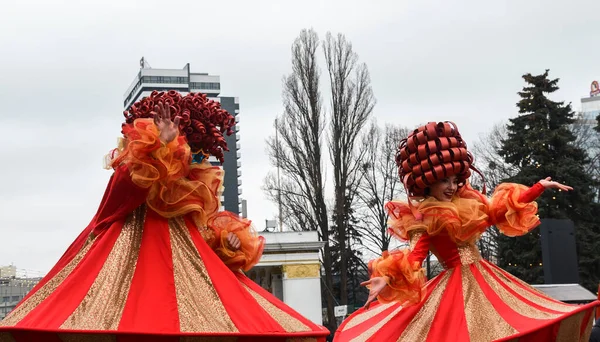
(352, 103)
(380, 183)
(296, 151)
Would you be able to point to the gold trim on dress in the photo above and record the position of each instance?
(103, 305)
(469, 253)
(418, 328)
(287, 321)
(200, 307)
(47, 289)
(482, 327)
(366, 315)
(541, 299)
(511, 300)
(570, 328)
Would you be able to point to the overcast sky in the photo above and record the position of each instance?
(65, 65)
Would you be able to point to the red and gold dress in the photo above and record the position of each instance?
(472, 299)
(154, 263)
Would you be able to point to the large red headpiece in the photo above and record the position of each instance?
(431, 153)
(203, 122)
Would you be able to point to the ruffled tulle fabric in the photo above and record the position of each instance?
(511, 216)
(468, 215)
(175, 187)
(401, 220)
(252, 245)
(405, 277)
(178, 188)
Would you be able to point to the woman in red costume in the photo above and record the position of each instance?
(159, 261)
(472, 299)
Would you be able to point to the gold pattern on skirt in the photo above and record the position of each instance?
(288, 322)
(482, 327)
(588, 331)
(415, 235)
(47, 289)
(419, 327)
(103, 305)
(541, 299)
(512, 301)
(366, 315)
(373, 329)
(200, 307)
(468, 253)
(570, 328)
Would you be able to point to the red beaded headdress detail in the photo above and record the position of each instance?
(203, 122)
(431, 153)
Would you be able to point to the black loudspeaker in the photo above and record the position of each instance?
(559, 252)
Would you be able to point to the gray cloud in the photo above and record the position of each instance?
(65, 66)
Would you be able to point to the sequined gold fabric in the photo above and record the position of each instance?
(287, 322)
(415, 235)
(468, 253)
(103, 305)
(366, 315)
(43, 292)
(585, 337)
(512, 301)
(373, 329)
(482, 327)
(419, 327)
(570, 328)
(199, 305)
(547, 303)
(87, 338)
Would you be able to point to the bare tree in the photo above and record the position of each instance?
(297, 152)
(492, 165)
(352, 103)
(487, 158)
(380, 184)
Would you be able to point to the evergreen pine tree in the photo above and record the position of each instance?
(540, 144)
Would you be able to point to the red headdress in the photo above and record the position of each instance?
(203, 122)
(431, 153)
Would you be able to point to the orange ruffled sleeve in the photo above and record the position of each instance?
(252, 244)
(510, 213)
(401, 220)
(175, 186)
(405, 277)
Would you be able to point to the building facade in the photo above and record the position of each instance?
(184, 81)
(590, 110)
(13, 289)
(290, 269)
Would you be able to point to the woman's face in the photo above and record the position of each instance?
(444, 189)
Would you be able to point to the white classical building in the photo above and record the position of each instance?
(290, 269)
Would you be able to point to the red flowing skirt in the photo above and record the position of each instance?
(477, 302)
(151, 279)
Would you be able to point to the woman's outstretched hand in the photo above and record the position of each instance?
(377, 285)
(233, 241)
(548, 183)
(162, 119)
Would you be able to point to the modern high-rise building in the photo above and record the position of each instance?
(184, 81)
(590, 110)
